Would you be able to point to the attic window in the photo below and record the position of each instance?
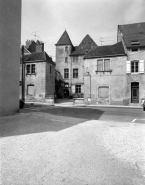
(135, 42)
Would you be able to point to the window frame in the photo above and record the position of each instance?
(31, 69)
(78, 89)
(103, 65)
(27, 89)
(75, 73)
(66, 59)
(104, 86)
(66, 73)
(133, 62)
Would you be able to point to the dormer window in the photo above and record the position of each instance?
(135, 42)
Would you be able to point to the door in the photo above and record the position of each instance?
(135, 95)
(135, 92)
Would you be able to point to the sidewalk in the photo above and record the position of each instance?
(70, 104)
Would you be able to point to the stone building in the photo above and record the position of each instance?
(70, 63)
(105, 75)
(115, 74)
(133, 38)
(39, 76)
(10, 39)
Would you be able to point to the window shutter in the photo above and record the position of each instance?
(127, 66)
(141, 66)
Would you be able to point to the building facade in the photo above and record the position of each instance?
(70, 63)
(115, 74)
(10, 39)
(39, 77)
(105, 75)
(133, 37)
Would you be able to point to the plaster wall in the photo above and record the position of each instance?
(115, 80)
(10, 39)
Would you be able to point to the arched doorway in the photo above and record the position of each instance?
(66, 93)
(135, 92)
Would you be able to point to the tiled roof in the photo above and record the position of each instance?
(86, 45)
(106, 51)
(35, 56)
(64, 39)
(133, 32)
(39, 56)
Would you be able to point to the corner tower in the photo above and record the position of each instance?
(63, 61)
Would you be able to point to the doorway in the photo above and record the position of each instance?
(135, 92)
(66, 93)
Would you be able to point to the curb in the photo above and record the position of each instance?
(83, 105)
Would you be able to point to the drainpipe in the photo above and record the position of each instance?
(90, 83)
(23, 75)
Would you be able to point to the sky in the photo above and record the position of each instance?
(98, 18)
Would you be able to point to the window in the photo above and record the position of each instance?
(134, 67)
(66, 73)
(100, 65)
(75, 73)
(30, 68)
(134, 49)
(103, 65)
(33, 68)
(106, 64)
(66, 49)
(66, 59)
(50, 69)
(30, 89)
(78, 88)
(103, 92)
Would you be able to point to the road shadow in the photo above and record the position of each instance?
(44, 120)
(85, 113)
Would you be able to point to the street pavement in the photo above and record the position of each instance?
(73, 146)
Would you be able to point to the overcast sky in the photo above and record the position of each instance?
(98, 18)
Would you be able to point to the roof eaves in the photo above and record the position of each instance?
(103, 56)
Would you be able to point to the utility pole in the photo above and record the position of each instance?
(23, 75)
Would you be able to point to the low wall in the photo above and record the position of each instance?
(78, 100)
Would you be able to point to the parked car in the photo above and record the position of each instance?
(21, 104)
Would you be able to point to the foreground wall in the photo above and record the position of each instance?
(10, 32)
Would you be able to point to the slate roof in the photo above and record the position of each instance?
(106, 51)
(133, 32)
(86, 45)
(38, 56)
(64, 39)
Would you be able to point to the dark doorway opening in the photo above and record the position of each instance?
(135, 92)
(66, 93)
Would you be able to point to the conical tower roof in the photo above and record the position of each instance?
(64, 39)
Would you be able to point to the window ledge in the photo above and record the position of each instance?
(30, 73)
(105, 71)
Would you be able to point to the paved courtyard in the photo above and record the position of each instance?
(87, 152)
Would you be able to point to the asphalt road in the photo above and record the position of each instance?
(38, 118)
(89, 113)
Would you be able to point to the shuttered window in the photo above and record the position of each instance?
(103, 65)
(100, 65)
(134, 66)
(103, 92)
(106, 64)
(30, 89)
